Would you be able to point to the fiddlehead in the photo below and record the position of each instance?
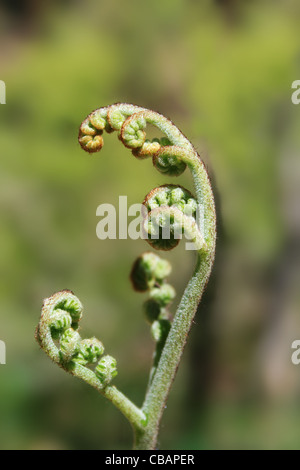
(57, 335)
(170, 212)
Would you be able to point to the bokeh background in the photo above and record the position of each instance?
(222, 70)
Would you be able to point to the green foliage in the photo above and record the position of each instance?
(227, 85)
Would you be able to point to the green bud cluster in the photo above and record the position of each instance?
(148, 270)
(89, 351)
(58, 336)
(149, 273)
(168, 160)
(171, 211)
(130, 126)
(106, 370)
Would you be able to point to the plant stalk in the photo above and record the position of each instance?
(157, 395)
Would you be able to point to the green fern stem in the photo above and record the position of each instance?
(159, 389)
(57, 331)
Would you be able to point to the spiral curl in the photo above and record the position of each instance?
(171, 212)
(106, 370)
(57, 334)
(167, 160)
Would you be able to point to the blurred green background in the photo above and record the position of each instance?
(222, 71)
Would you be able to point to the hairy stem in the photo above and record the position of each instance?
(135, 415)
(160, 386)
